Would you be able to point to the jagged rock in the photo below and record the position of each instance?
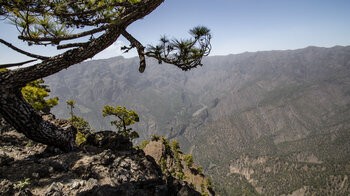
(107, 140)
(6, 187)
(158, 150)
(23, 192)
(187, 191)
(106, 164)
(155, 149)
(55, 189)
(58, 165)
(50, 117)
(5, 160)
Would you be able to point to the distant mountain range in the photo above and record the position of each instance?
(269, 123)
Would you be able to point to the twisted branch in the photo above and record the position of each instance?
(140, 49)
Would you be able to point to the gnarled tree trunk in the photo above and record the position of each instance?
(23, 117)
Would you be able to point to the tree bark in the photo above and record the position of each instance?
(24, 118)
(16, 111)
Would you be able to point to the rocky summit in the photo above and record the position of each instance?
(105, 164)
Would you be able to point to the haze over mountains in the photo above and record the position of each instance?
(274, 122)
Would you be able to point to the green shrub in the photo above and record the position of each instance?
(166, 143)
(163, 166)
(35, 93)
(209, 183)
(200, 170)
(175, 145)
(79, 123)
(143, 144)
(155, 137)
(22, 184)
(180, 175)
(80, 138)
(3, 70)
(189, 160)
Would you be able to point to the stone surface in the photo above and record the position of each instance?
(155, 149)
(105, 165)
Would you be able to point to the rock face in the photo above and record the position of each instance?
(106, 164)
(156, 150)
(175, 164)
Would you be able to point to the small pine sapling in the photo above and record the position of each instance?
(79, 123)
(125, 118)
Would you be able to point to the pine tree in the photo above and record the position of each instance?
(125, 118)
(100, 24)
(79, 123)
(35, 93)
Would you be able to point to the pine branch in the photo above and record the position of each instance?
(140, 49)
(67, 37)
(16, 64)
(92, 11)
(185, 53)
(20, 77)
(22, 51)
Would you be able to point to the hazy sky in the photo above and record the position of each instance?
(237, 26)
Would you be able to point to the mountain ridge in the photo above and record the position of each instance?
(256, 104)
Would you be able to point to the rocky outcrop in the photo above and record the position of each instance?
(106, 164)
(175, 164)
(155, 149)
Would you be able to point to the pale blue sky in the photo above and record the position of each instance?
(237, 26)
